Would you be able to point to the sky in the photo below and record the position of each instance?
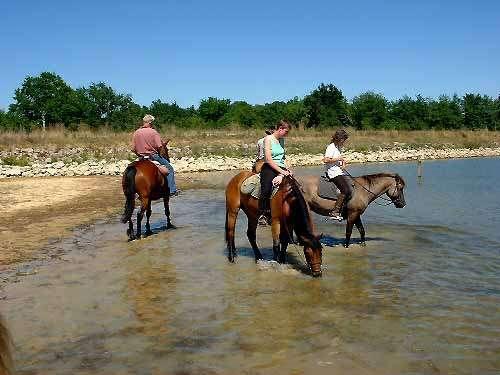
(256, 51)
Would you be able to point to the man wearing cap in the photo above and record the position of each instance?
(146, 142)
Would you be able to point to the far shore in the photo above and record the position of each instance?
(44, 167)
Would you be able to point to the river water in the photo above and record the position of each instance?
(423, 297)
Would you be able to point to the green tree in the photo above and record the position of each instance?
(445, 113)
(369, 110)
(295, 111)
(167, 113)
(212, 109)
(46, 99)
(241, 113)
(479, 112)
(410, 113)
(270, 113)
(100, 102)
(326, 106)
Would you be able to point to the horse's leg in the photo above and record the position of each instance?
(148, 215)
(140, 214)
(282, 252)
(361, 230)
(231, 216)
(166, 205)
(252, 236)
(351, 219)
(130, 230)
(275, 229)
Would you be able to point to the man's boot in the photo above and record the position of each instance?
(336, 214)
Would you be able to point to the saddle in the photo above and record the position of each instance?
(163, 170)
(251, 186)
(327, 189)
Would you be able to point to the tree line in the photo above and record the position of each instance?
(47, 100)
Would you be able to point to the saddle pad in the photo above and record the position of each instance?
(327, 189)
(251, 186)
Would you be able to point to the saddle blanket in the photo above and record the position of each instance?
(251, 186)
(327, 189)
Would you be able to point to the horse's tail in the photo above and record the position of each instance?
(128, 185)
(5, 345)
(226, 227)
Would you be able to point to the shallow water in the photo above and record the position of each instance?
(423, 297)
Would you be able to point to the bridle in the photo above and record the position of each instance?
(395, 201)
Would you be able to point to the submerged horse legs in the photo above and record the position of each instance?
(353, 218)
(231, 216)
(145, 202)
(167, 212)
(148, 215)
(252, 236)
(361, 230)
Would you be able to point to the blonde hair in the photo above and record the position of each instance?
(148, 119)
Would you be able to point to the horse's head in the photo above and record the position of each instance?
(303, 226)
(313, 252)
(396, 192)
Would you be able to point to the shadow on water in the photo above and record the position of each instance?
(330, 241)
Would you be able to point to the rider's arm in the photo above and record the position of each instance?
(269, 158)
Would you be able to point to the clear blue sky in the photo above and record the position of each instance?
(257, 51)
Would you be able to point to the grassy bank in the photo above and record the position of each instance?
(230, 142)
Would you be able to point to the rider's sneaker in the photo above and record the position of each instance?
(336, 217)
(263, 220)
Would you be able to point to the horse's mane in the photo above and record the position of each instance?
(302, 222)
(371, 178)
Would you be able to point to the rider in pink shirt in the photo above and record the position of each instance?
(146, 141)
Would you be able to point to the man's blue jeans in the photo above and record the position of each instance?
(170, 175)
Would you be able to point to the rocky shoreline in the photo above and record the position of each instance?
(40, 167)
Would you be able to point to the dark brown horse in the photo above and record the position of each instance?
(366, 189)
(5, 354)
(290, 213)
(144, 178)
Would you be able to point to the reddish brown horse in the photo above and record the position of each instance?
(5, 344)
(290, 213)
(144, 178)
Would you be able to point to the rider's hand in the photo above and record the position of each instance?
(286, 173)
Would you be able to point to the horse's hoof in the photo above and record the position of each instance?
(130, 239)
(230, 259)
(171, 226)
(346, 245)
(363, 244)
(147, 234)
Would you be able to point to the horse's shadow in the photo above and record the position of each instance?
(330, 241)
(295, 260)
(157, 228)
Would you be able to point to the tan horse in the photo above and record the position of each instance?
(366, 189)
(290, 213)
(5, 345)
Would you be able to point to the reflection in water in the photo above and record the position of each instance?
(150, 291)
(422, 298)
